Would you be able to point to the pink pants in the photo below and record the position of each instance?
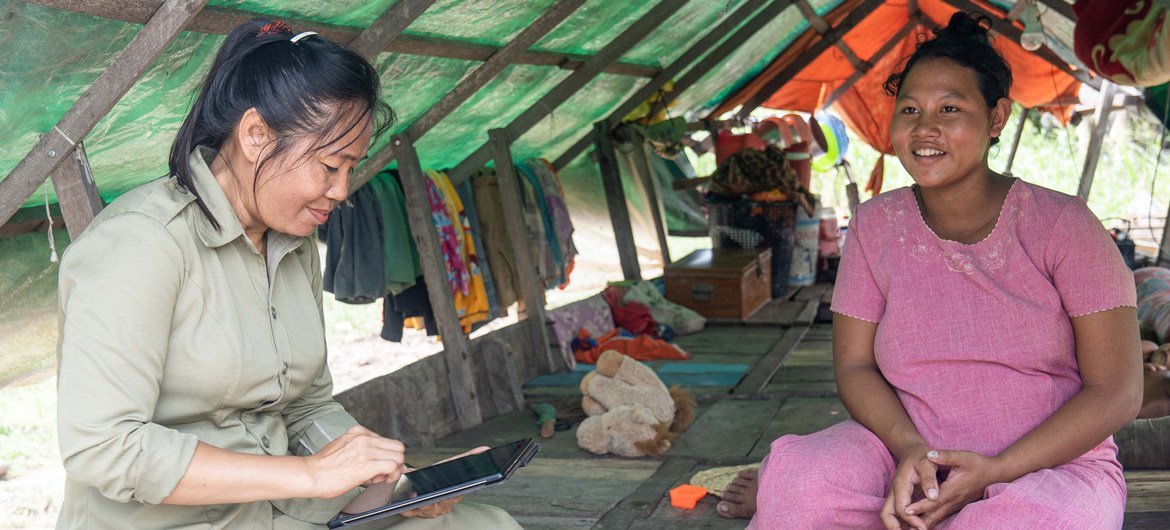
(839, 477)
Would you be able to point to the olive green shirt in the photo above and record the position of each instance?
(173, 332)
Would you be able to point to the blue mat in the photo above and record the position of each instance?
(671, 373)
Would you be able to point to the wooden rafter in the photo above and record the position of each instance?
(810, 55)
(822, 27)
(388, 26)
(615, 200)
(881, 54)
(219, 20)
(577, 80)
(161, 28)
(692, 54)
(1010, 31)
(1060, 6)
(471, 84)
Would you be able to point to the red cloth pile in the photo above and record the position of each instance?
(641, 348)
(630, 316)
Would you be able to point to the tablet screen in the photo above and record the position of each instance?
(431, 483)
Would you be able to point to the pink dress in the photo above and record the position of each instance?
(977, 342)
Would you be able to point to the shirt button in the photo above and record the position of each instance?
(284, 368)
(264, 440)
(273, 311)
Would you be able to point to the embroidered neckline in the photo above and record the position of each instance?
(988, 254)
(1004, 211)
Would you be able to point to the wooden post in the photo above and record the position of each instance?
(640, 162)
(1164, 245)
(422, 228)
(635, 33)
(1023, 119)
(76, 192)
(388, 27)
(690, 56)
(531, 287)
(127, 67)
(615, 199)
(471, 84)
(1100, 128)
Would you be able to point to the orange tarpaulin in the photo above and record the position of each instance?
(864, 107)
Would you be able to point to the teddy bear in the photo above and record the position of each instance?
(631, 412)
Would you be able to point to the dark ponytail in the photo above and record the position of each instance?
(965, 40)
(302, 88)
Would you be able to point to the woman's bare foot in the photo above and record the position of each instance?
(739, 499)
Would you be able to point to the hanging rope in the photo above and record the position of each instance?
(52, 242)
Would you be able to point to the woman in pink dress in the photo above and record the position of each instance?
(985, 335)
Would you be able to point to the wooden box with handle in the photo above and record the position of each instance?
(721, 283)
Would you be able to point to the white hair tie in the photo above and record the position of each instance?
(302, 35)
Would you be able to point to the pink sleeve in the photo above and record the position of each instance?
(1086, 267)
(856, 293)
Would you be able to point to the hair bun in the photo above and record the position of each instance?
(966, 26)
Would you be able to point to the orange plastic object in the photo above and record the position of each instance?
(687, 496)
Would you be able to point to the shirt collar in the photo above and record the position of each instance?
(217, 202)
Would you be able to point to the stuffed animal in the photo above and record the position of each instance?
(631, 413)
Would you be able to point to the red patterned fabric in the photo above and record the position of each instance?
(1124, 40)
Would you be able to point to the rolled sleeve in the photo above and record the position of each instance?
(118, 286)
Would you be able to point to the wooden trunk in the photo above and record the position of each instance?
(721, 283)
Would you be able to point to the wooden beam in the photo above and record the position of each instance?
(76, 192)
(692, 54)
(1164, 244)
(531, 287)
(615, 200)
(220, 20)
(1023, 120)
(127, 67)
(881, 54)
(640, 163)
(635, 33)
(422, 228)
(1010, 31)
(1100, 129)
(822, 27)
(471, 84)
(814, 51)
(1060, 6)
(388, 26)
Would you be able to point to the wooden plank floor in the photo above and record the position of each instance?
(566, 487)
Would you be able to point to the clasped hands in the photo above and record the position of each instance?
(917, 499)
(362, 457)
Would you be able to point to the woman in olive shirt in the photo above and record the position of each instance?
(193, 389)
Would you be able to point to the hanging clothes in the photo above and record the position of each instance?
(463, 269)
(399, 253)
(413, 302)
(496, 241)
(353, 269)
(467, 197)
(554, 194)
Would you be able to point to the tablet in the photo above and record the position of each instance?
(428, 485)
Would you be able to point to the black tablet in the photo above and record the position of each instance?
(428, 485)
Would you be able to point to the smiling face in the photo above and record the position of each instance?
(296, 192)
(942, 126)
